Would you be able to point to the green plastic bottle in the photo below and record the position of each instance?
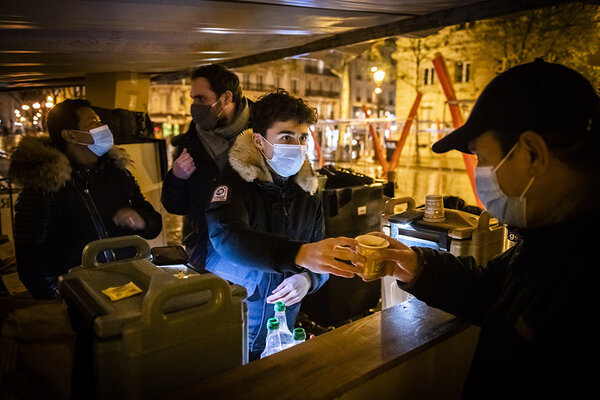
(273, 341)
(287, 339)
(299, 335)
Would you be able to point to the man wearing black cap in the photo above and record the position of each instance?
(535, 130)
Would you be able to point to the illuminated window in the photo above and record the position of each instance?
(462, 72)
(428, 76)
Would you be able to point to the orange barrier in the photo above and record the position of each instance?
(317, 147)
(376, 145)
(457, 117)
(405, 130)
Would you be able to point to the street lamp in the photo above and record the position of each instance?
(378, 77)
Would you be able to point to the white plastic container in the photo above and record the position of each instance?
(173, 333)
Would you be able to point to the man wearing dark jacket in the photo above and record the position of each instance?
(75, 189)
(219, 114)
(264, 210)
(535, 130)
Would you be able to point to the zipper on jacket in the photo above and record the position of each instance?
(94, 214)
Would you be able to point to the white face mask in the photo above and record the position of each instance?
(287, 158)
(510, 210)
(103, 140)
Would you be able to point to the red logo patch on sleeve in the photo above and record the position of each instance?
(220, 194)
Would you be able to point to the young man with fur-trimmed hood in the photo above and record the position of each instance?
(75, 189)
(265, 221)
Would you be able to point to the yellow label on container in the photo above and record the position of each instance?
(121, 292)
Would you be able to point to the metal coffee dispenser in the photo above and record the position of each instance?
(460, 233)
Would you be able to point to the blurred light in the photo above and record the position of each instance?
(374, 69)
(36, 105)
(379, 75)
(35, 118)
(378, 90)
(49, 99)
(17, 112)
(25, 107)
(49, 104)
(234, 31)
(38, 115)
(22, 119)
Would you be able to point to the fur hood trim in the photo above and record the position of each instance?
(37, 162)
(248, 161)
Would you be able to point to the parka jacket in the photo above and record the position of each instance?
(256, 227)
(534, 303)
(60, 209)
(190, 197)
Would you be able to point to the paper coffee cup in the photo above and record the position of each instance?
(434, 208)
(370, 246)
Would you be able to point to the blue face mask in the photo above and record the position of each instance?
(103, 140)
(509, 210)
(287, 158)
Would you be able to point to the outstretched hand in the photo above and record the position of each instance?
(401, 260)
(332, 255)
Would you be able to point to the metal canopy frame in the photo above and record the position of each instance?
(36, 51)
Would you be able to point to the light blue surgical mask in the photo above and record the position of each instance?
(103, 140)
(509, 210)
(287, 158)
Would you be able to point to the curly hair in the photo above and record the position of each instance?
(280, 106)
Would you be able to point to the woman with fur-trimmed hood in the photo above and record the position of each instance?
(75, 189)
(265, 220)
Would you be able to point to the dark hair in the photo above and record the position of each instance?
(64, 116)
(279, 106)
(220, 79)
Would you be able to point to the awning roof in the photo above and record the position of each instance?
(58, 42)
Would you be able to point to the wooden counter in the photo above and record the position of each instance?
(407, 350)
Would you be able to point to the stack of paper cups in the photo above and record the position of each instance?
(434, 208)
